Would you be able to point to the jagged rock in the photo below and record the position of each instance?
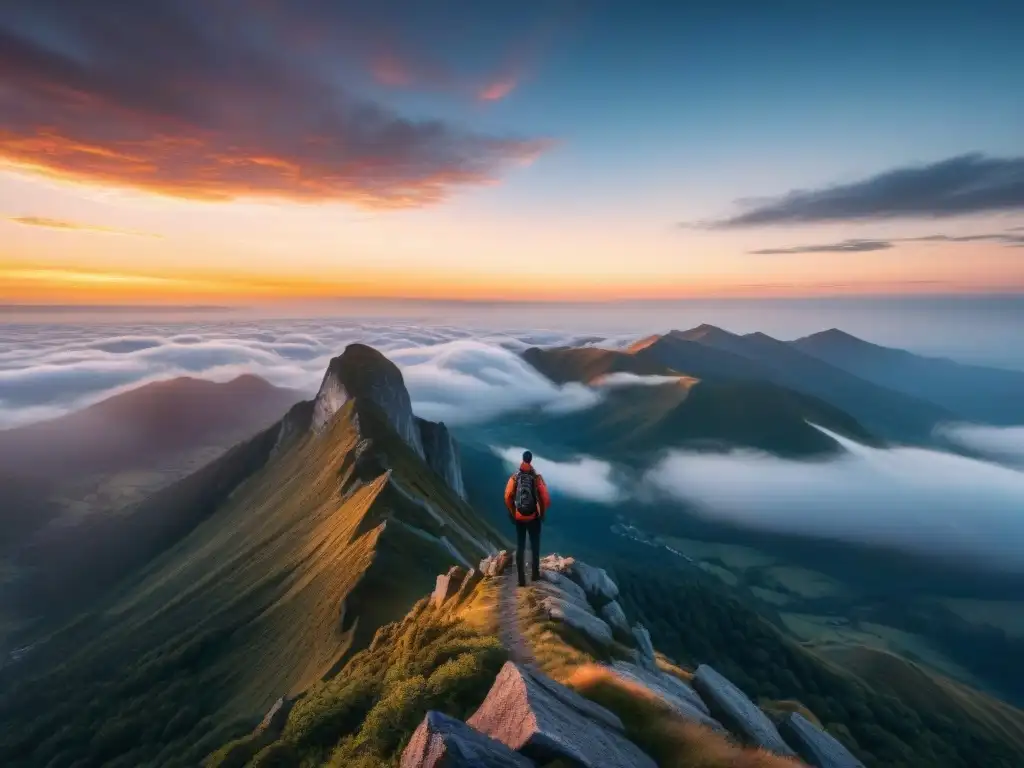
(679, 697)
(644, 647)
(814, 745)
(563, 583)
(468, 583)
(598, 586)
(273, 722)
(527, 716)
(613, 614)
(739, 713)
(363, 372)
(495, 565)
(447, 584)
(442, 454)
(441, 741)
(578, 618)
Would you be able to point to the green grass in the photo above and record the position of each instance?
(268, 595)
(432, 659)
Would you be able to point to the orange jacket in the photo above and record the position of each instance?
(543, 497)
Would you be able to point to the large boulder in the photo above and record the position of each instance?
(528, 716)
(545, 589)
(448, 584)
(441, 741)
(732, 707)
(814, 745)
(613, 614)
(677, 695)
(563, 583)
(597, 584)
(578, 618)
(644, 647)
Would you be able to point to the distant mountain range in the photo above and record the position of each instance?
(285, 537)
(971, 392)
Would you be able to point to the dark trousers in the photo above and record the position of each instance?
(531, 527)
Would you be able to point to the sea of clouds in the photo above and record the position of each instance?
(919, 499)
(455, 374)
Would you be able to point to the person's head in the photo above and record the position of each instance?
(527, 457)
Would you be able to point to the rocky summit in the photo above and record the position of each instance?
(528, 718)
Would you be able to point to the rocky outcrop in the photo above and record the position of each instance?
(495, 565)
(442, 454)
(595, 582)
(564, 584)
(676, 694)
(615, 617)
(579, 618)
(363, 372)
(732, 707)
(527, 716)
(644, 647)
(441, 741)
(447, 585)
(814, 745)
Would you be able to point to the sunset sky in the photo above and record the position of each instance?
(252, 150)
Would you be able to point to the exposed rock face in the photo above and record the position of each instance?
(595, 582)
(814, 745)
(442, 454)
(363, 372)
(444, 742)
(447, 585)
(644, 647)
(578, 618)
(564, 584)
(546, 589)
(733, 708)
(613, 614)
(527, 716)
(679, 697)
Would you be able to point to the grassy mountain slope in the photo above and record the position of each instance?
(336, 534)
(637, 420)
(711, 353)
(972, 392)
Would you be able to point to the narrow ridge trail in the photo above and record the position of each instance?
(508, 621)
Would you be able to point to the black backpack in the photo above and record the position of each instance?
(526, 492)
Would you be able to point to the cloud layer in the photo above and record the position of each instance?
(913, 499)
(583, 477)
(453, 374)
(962, 185)
(222, 100)
(1002, 444)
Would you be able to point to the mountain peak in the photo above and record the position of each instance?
(704, 331)
(361, 372)
(835, 336)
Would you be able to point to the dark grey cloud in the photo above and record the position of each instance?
(878, 244)
(845, 246)
(968, 184)
(246, 98)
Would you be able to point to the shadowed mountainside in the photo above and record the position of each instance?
(972, 392)
(633, 421)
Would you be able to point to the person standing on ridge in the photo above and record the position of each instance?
(527, 500)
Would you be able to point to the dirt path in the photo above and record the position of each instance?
(508, 620)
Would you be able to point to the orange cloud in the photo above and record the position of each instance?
(62, 224)
(158, 100)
